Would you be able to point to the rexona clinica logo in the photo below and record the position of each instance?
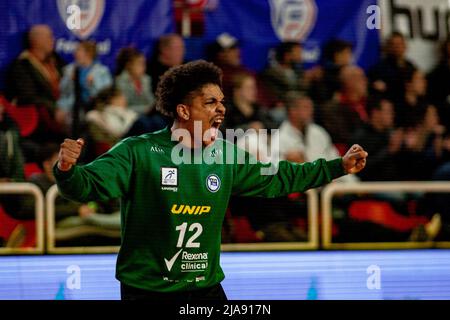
(81, 16)
(293, 20)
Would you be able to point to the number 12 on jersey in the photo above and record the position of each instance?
(197, 227)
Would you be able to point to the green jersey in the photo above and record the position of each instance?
(172, 212)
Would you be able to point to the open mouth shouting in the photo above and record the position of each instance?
(213, 131)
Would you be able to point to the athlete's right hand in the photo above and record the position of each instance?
(69, 153)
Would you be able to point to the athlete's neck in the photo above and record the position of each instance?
(181, 132)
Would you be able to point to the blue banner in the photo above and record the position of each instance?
(258, 24)
(111, 23)
(262, 24)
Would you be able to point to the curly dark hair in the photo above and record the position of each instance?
(178, 84)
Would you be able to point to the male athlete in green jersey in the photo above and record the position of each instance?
(172, 210)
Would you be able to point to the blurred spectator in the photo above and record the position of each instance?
(302, 140)
(111, 119)
(81, 81)
(12, 169)
(286, 72)
(388, 75)
(11, 157)
(438, 85)
(244, 111)
(225, 52)
(410, 110)
(132, 80)
(169, 52)
(298, 131)
(423, 147)
(34, 78)
(380, 140)
(346, 112)
(335, 55)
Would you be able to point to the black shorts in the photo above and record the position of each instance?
(214, 293)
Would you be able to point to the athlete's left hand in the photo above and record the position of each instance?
(355, 159)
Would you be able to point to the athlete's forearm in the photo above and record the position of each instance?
(290, 177)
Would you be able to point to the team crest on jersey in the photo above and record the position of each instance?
(90, 13)
(213, 183)
(169, 176)
(292, 20)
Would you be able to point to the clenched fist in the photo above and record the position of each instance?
(69, 153)
(355, 159)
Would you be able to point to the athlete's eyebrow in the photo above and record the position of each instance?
(209, 100)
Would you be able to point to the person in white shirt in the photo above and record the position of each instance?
(302, 140)
(111, 119)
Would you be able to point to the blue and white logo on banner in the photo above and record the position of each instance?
(87, 13)
(292, 19)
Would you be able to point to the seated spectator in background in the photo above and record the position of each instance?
(225, 52)
(286, 72)
(132, 80)
(243, 111)
(346, 112)
(424, 147)
(169, 52)
(111, 119)
(335, 55)
(70, 215)
(302, 140)
(34, 78)
(48, 155)
(82, 80)
(11, 157)
(385, 216)
(403, 153)
(381, 141)
(410, 110)
(12, 169)
(438, 85)
(388, 75)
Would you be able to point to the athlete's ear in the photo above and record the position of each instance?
(183, 112)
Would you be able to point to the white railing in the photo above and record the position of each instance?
(313, 233)
(48, 227)
(374, 187)
(50, 198)
(311, 244)
(27, 188)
